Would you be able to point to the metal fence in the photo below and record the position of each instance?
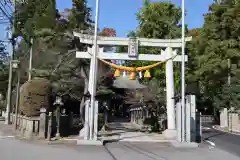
(207, 119)
(69, 125)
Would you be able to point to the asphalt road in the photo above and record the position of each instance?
(222, 140)
(12, 149)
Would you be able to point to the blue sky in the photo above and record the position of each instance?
(120, 14)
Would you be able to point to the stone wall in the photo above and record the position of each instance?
(27, 126)
(38, 126)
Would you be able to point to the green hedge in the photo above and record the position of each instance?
(34, 95)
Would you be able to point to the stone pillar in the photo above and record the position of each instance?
(29, 129)
(95, 130)
(171, 131)
(224, 118)
(188, 119)
(50, 125)
(170, 89)
(193, 118)
(42, 123)
(134, 115)
(86, 125)
(131, 114)
(234, 122)
(179, 122)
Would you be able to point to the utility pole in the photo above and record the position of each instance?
(7, 118)
(94, 71)
(9, 91)
(183, 106)
(30, 61)
(17, 96)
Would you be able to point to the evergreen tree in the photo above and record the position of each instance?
(218, 42)
(4, 68)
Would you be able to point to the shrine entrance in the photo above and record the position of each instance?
(168, 55)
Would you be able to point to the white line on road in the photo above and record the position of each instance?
(206, 128)
(4, 137)
(212, 145)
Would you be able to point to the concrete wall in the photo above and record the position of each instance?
(234, 122)
(224, 118)
(230, 120)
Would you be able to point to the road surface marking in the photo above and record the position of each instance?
(212, 145)
(206, 128)
(4, 137)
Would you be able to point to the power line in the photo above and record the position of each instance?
(8, 5)
(3, 6)
(5, 13)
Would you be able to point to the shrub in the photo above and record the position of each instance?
(34, 95)
(153, 122)
(100, 121)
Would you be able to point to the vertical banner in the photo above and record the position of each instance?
(188, 118)
(179, 121)
(86, 125)
(95, 134)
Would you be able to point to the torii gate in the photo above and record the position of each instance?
(132, 55)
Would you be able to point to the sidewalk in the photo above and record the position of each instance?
(125, 131)
(6, 130)
(129, 136)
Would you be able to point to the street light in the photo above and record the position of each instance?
(58, 103)
(14, 64)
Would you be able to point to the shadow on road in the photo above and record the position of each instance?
(207, 134)
(215, 135)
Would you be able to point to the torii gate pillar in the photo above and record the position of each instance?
(170, 133)
(170, 89)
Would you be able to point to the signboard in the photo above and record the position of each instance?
(133, 47)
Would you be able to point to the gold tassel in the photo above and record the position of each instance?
(117, 73)
(147, 74)
(132, 76)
